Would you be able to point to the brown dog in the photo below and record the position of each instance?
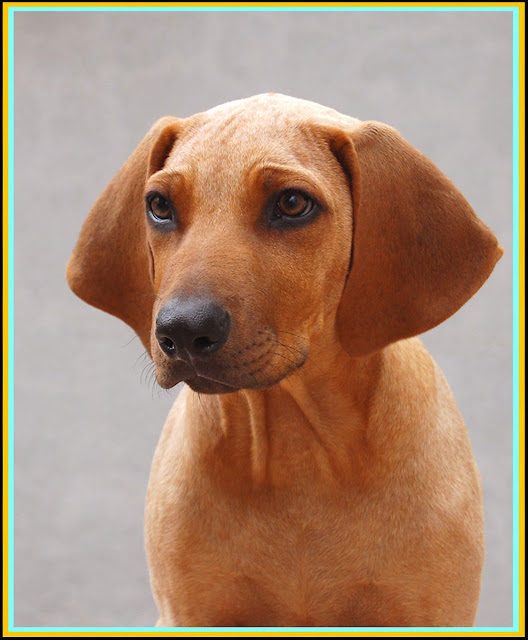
(278, 257)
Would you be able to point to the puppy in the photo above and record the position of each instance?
(280, 258)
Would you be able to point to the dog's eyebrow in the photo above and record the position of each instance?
(269, 172)
(166, 178)
(174, 173)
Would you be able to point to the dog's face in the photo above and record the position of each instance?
(236, 240)
(249, 223)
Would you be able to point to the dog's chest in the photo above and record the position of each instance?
(242, 553)
(228, 563)
(282, 558)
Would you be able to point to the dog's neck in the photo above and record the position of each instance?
(272, 436)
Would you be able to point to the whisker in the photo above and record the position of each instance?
(147, 373)
(280, 355)
(132, 338)
(312, 342)
(306, 356)
(285, 378)
(142, 356)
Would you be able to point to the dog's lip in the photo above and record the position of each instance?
(207, 378)
(222, 386)
(189, 372)
(185, 371)
(210, 385)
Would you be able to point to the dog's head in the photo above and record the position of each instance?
(234, 240)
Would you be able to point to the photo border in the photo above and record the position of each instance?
(518, 14)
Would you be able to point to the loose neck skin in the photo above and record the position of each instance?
(311, 424)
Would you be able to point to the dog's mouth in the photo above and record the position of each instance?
(260, 365)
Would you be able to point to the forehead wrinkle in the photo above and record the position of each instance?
(293, 171)
(240, 133)
(220, 157)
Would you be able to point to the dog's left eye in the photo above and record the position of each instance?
(293, 204)
(158, 207)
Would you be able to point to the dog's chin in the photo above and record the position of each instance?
(202, 384)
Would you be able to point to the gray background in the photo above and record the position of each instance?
(87, 88)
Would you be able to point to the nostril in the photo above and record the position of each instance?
(167, 344)
(203, 344)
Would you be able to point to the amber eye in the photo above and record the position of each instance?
(293, 203)
(159, 207)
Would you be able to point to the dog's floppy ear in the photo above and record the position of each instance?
(110, 267)
(419, 252)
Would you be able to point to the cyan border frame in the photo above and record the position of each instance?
(182, 630)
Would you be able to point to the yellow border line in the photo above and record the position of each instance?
(5, 454)
(320, 3)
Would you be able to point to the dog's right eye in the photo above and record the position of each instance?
(159, 208)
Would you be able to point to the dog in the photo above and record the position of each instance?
(281, 258)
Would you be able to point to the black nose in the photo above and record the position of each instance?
(192, 327)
